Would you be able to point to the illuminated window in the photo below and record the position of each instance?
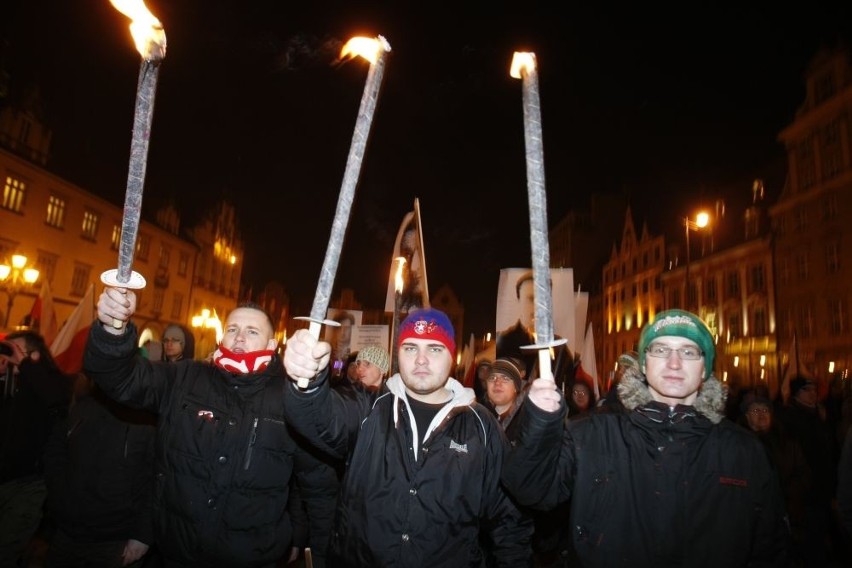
(143, 247)
(80, 279)
(183, 263)
(46, 264)
(734, 330)
(55, 212)
(165, 256)
(177, 306)
(115, 239)
(13, 194)
(90, 225)
(157, 308)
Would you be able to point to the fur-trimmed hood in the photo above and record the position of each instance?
(633, 392)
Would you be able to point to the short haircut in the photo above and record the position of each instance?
(255, 306)
(525, 277)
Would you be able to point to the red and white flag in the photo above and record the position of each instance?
(43, 314)
(68, 347)
(588, 369)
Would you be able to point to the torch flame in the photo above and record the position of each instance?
(146, 29)
(520, 61)
(397, 279)
(367, 47)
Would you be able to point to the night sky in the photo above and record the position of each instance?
(669, 107)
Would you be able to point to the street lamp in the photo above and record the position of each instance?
(701, 221)
(14, 278)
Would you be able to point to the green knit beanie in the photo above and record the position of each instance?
(680, 323)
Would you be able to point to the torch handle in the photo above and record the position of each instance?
(544, 370)
(314, 330)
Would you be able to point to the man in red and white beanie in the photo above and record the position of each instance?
(424, 473)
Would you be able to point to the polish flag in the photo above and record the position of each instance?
(68, 347)
(43, 314)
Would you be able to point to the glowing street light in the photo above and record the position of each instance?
(702, 220)
(14, 278)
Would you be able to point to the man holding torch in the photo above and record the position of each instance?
(422, 483)
(224, 455)
(669, 481)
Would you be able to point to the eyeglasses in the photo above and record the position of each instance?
(579, 392)
(664, 352)
(761, 410)
(499, 378)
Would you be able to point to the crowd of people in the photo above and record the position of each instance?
(225, 460)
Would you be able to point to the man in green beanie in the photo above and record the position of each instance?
(668, 481)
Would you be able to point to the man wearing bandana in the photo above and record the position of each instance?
(224, 456)
(422, 483)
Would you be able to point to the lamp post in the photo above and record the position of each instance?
(14, 278)
(701, 221)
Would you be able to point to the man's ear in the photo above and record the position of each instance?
(35, 356)
(272, 344)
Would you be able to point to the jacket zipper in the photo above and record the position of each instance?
(252, 440)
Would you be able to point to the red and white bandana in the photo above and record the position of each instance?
(242, 363)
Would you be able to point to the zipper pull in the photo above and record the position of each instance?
(252, 440)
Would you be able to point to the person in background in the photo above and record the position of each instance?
(224, 452)
(40, 399)
(480, 380)
(786, 456)
(581, 400)
(99, 467)
(178, 343)
(371, 366)
(27, 418)
(804, 420)
(667, 482)
(422, 481)
(505, 388)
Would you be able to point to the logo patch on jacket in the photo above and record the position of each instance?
(460, 448)
(733, 481)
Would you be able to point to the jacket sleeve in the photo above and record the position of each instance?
(328, 418)
(114, 363)
(538, 470)
(510, 529)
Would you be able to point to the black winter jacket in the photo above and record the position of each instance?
(28, 418)
(224, 457)
(653, 486)
(99, 468)
(404, 504)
